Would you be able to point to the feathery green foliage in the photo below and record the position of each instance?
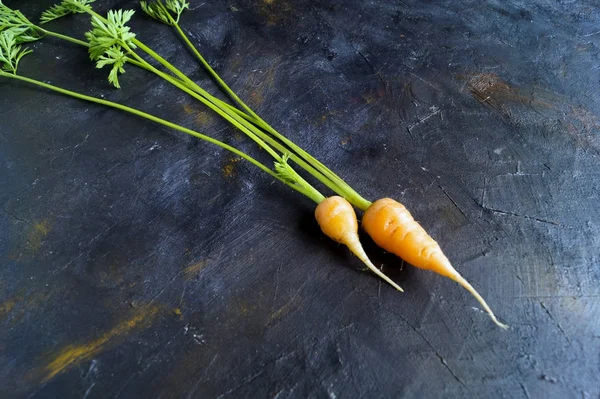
(113, 56)
(154, 10)
(160, 12)
(67, 7)
(10, 51)
(285, 171)
(109, 33)
(177, 6)
(108, 38)
(23, 29)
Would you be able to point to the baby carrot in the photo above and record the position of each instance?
(337, 220)
(393, 228)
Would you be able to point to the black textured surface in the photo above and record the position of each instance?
(137, 262)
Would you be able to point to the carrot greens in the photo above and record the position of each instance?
(64, 8)
(163, 13)
(112, 43)
(11, 53)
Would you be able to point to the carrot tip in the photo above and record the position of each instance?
(501, 325)
(357, 249)
(463, 282)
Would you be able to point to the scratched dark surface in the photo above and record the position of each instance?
(137, 262)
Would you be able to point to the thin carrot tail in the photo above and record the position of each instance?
(355, 246)
(463, 282)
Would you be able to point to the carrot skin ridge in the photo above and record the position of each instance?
(393, 228)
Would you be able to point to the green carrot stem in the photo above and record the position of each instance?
(190, 83)
(307, 190)
(216, 109)
(226, 108)
(247, 128)
(212, 72)
(60, 36)
(343, 188)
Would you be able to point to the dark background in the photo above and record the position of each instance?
(139, 262)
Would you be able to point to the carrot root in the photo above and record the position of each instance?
(357, 249)
(466, 285)
(337, 220)
(394, 229)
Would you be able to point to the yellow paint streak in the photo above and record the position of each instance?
(324, 117)
(282, 311)
(74, 354)
(35, 238)
(37, 235)
(369, 98)
(193, 270)
(202, 118)
(16, 307)
(188, 109)
(275, 12)
(260, 84)
(6, 307)
(245, 308)
(229, 170)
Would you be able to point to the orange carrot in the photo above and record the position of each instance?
(393, 228)
(337, 220)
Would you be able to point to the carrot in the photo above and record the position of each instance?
(393, 228)
(337, 220)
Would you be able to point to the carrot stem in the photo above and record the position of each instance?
(62, 37)
(261, 138)
(245, 125)
(307, 190)
(340, 186)
(223, 109)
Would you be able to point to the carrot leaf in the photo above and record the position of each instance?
(285, 171)
(160, 11)
(154, 10)
(10, 51)
(107, 39)
(110, 32)
(113, 56)
(177, 6)
(23, 29)
(65, 8)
